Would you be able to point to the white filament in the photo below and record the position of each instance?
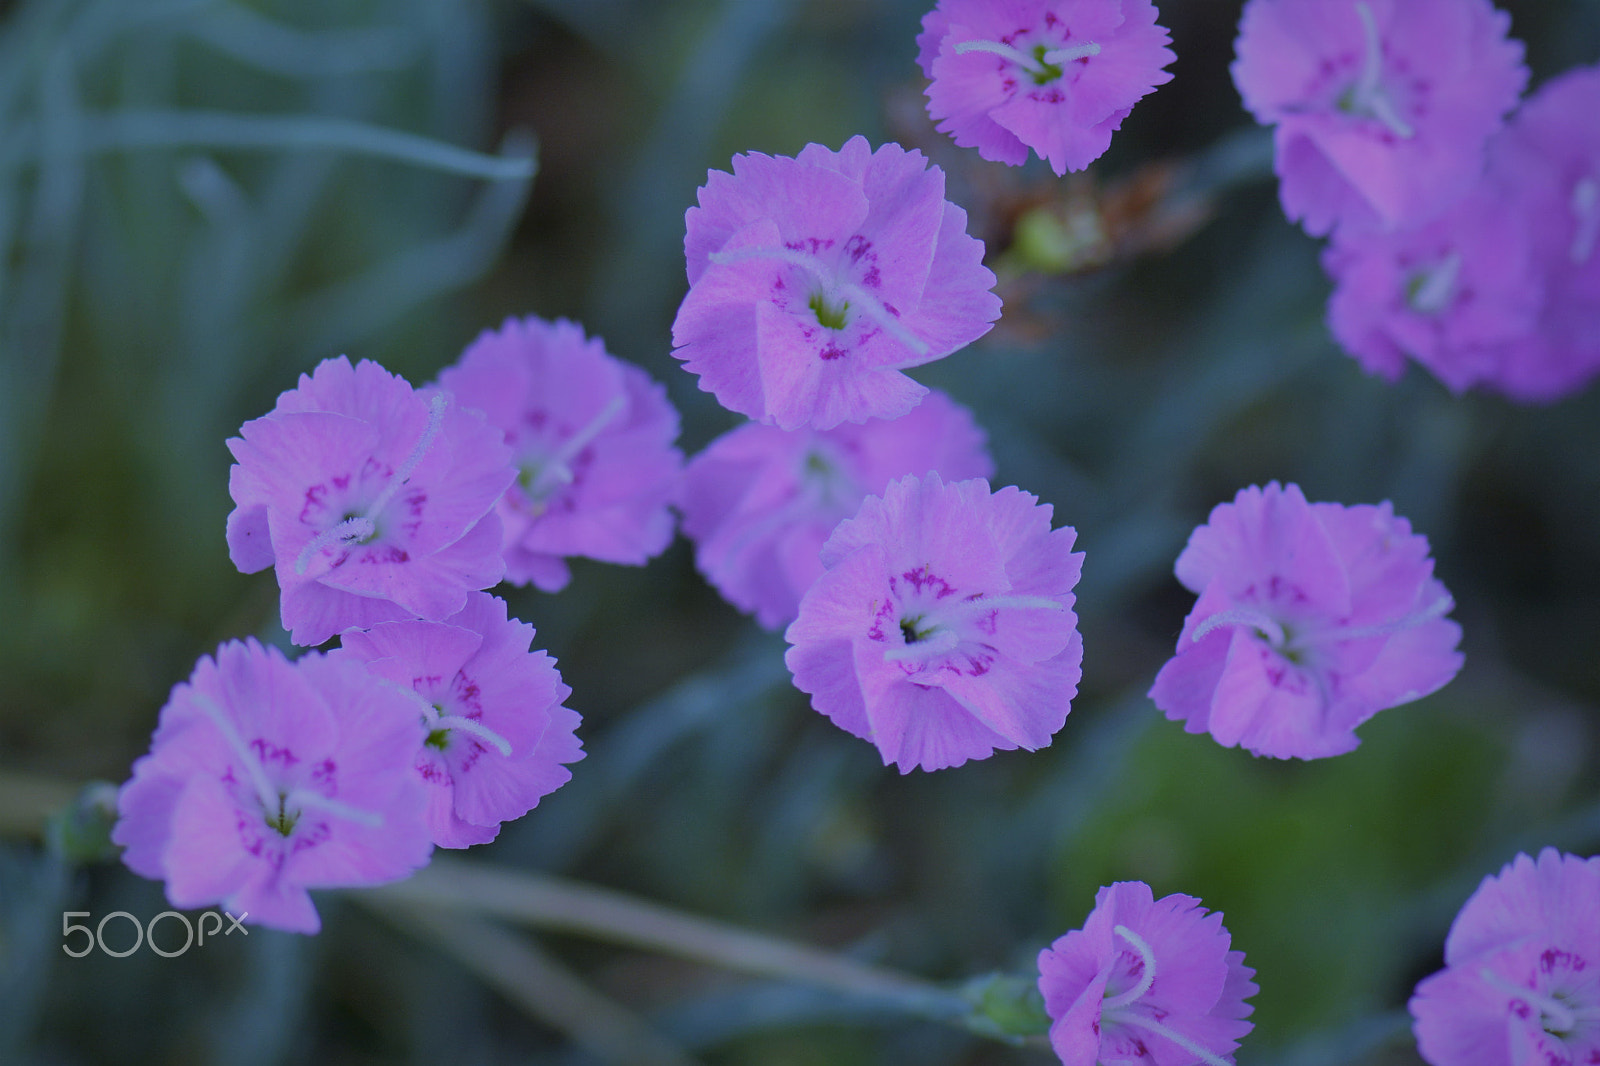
(1243, 616)
(1368, 93)
(1146, 979)
(1586, 208)
(1438, 286)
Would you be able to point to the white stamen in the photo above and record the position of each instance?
(1207, 1057)
(1438, 286)
(810, 264)
(356, 527)
(305, 798)
(1243, 616)
(476, 728)
(937, 642)
(433, 718)
(557, 466)
(360, 527)
(1586, 208)
(1026, 603)
(1058, 56)
(1437, 609)
(1368, 93)
(265, 792)
(1550, 1009)
(999, 48)
(1146, 979)
(436, 409)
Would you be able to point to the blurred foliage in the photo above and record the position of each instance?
(1162, 346)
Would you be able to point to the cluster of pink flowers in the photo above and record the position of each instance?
(384, 511)
(1459, 239)
(926, 612)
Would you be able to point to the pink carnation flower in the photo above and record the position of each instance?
(1147, 981)
(266, 778)
(1521, 983)
(1382, 107)
(1312, 618)
(1057, 76)
(373, 502)
(1550, 154)
(496, 735)
(760, 501)
(943, 627)
(591, 437)
(1454, 294)
(814, 281)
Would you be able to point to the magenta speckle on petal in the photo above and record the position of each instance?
(1145, 980)
(814, 281)
(1312, 618)
(942, 629)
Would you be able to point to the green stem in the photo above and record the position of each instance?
(131, 130)
(544, 902)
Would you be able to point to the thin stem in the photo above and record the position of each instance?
(1000, 48)
(131, 129)
(549, 903)
(539, 985)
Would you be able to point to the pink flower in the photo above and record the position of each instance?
(1057, 76)
(1521, 982)
(760, 501)
(372, 501)
(1454, 293)
(1550, 156)
(591, 437)
(814, 281)
(496, 735)
(1312, 618)
(1382, 107)
(943, 627)
(266, 778)
(1148, 981)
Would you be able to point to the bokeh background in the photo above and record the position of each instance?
(198, 202)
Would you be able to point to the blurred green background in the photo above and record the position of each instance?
(200, 199)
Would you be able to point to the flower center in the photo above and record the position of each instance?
(1432, 289)
(1294, 646)
(830, 315)
(1366, 97)
(363, 528)
(1117, 1008)
(441, 725)
(845, 291)
(1043, 63)
(541, 476)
